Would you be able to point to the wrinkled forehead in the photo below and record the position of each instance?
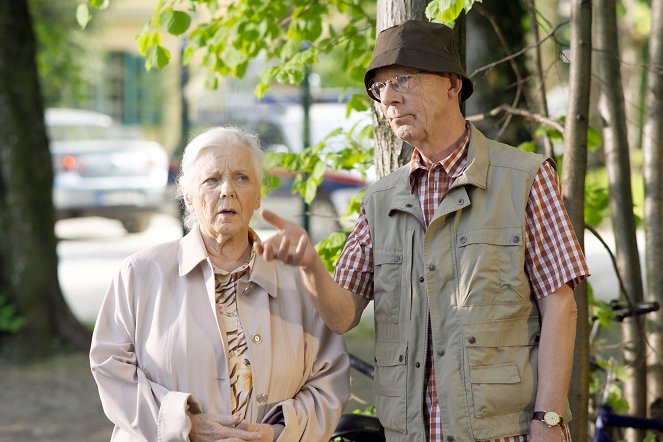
(224, 157)
(389, 72)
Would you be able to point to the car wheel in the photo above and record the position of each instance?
(136, 224)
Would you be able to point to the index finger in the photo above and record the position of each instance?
(272, 218)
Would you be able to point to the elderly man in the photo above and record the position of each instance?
(468, 255)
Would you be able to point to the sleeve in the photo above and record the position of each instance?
(314, 412)
(354, 269)
(553, 256)
(130, 400)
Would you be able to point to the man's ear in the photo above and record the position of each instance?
(455, 85)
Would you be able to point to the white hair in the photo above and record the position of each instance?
(214, 138)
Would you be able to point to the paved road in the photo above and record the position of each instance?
(91, 250)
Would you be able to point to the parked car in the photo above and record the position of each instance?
(102, 169)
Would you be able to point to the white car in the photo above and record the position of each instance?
(101, 169)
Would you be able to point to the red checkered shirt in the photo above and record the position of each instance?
(552, 254)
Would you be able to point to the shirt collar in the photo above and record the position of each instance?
(454, 164)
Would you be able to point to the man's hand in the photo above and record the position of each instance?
(540, 432)
(289, 244)
(214, 427)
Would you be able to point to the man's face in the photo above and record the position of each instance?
(415, 103)
(227, 191)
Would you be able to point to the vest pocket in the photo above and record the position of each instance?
(390, 384)
(490, 266)
(388, 272)
(502, 365)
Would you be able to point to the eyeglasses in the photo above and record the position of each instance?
(400, 83)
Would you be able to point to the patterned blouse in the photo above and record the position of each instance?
(239, 365)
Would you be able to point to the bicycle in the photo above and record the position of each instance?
(607, 422)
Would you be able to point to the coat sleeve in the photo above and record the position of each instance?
(131, 401)
(314, 412)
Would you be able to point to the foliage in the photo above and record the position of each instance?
(447, 11)
(59, 51)
(10, 322)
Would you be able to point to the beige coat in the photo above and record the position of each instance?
(157, 348)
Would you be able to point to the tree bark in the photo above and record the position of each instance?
(611, 107)
(391, 152)
(652, 145)
(575, 167)
(539, 88)
(28, 259)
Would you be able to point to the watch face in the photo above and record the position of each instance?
(551, 418)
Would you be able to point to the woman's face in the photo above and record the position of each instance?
(226, 192)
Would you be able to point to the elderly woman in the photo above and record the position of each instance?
(200, 339)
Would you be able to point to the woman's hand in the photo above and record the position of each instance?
(268, 433)
(214, 427)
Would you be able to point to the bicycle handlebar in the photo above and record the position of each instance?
(622, 310)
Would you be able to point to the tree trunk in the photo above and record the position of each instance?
(574, 169)
(539, 88)
(391, 152)
(652, 144)
(28, 259)
(616, 150)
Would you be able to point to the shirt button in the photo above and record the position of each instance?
(257, 338)
(408, 205)
(396, 258)
(261, 398)
(421, 279)
(461, 202)
(463, 239)
(472, 340)
(417, 365)
(440, 353)
(400, 358)
(431, 267)
(450, 439)
(515, 239)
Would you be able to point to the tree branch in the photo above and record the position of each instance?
(520, 112)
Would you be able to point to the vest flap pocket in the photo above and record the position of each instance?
(390, 353)
(387, 255)
(496, 235)
(495, 374)
(505, 333)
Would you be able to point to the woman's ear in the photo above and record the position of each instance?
(187, 201)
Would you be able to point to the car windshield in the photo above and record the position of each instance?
(76, 133)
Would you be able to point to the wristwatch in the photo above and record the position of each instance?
(550, 418)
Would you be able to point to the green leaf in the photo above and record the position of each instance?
(311, 190)
(527, 146)
(83, 15)
(444, 11)
(156, 55)
(319, 171)
(99, 4)
(174, 22)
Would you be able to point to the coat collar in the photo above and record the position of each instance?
(192, 252)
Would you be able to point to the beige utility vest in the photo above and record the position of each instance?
(467, 271)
